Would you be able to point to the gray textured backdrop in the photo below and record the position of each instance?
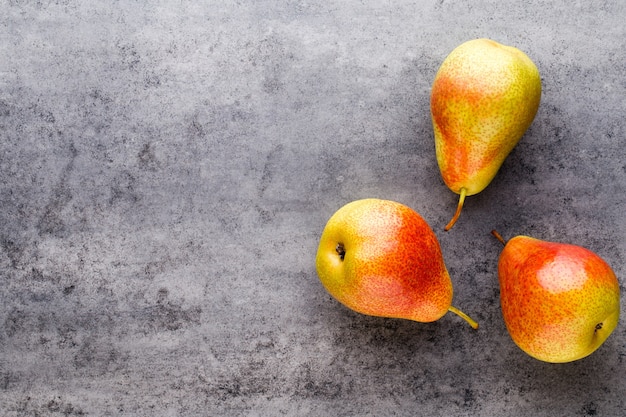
(167, 168)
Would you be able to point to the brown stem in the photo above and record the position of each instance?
(459, 206)
(498, 236)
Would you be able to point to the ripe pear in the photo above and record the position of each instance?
(381, 258)
(484, 97)
(559, 301)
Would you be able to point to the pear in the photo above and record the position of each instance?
(484, 97)
(381, 258)
(559, 301)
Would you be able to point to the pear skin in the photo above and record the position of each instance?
(484, 97)
(381, 258)
(560, 302)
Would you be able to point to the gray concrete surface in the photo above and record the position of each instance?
(167, 168)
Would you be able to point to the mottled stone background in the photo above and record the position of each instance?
(167, 167)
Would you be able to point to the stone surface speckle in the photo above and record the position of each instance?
(167, 168)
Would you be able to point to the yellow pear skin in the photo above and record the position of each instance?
(484, 97)
(381, 258)
(560, 302)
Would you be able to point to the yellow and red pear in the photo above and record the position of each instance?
(484, 97)
(559, 301)
(381, 258)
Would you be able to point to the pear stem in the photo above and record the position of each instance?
(461, 314)
(498, 236)
(462, 194)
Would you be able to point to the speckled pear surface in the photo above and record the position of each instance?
(381, 258)
(559, 301)
(484, 97)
